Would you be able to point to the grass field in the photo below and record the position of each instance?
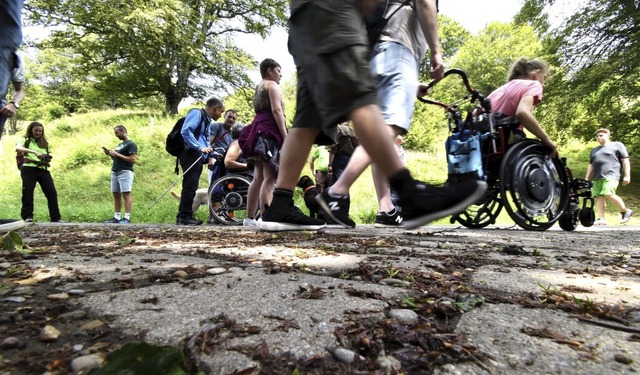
(81, 171)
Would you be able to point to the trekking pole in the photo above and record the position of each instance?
(174, 183)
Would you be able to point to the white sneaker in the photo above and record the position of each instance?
(249, 222)
(626, 216)
(600, 223)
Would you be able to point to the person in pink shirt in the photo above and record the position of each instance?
(520, 94)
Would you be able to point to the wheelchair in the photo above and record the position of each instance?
(228, 198)
(535, 190)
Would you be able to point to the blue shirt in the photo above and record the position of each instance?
(194, 120)
(11, 23)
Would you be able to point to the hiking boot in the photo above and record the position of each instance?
(626, 216)
(426, 203)
(9, 225)
(188, 221)
(125, 221)
(337, 208)
(388, 219)
(113, 220)
(283, 215)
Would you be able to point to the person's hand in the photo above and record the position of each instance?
(626, 180)
(422, 90)
(437, 67)
(111, 153)
(8, 110)
(554, 149)
(206, 150)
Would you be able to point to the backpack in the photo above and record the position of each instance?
(174, 144)
(346, 140)
(20, 154)
(464, 155)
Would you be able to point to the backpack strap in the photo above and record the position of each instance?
(219, 138)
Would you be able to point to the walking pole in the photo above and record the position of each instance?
(174, 183)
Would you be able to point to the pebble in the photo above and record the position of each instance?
(4, 265)
(24, 291)
(621, 358)
(49, 333)
(10, 343)
(73, 315)
(14, 299)
(390, 364)
(77, 348)
(85, 363)
(180, 274)
(343, 355)
(403, 315)
(92, 325)
(58, 296)
(216, 271)
(76, 292)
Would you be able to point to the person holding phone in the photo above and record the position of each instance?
(124, 156)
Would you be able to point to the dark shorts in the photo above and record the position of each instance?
(329, 47)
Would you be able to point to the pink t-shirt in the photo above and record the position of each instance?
(506, 98)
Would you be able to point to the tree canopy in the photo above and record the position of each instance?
(173, 48)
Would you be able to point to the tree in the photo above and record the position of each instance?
(599, 49)
(173, 48)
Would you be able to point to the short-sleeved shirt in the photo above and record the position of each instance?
(221, 136)
(320, 157)
(33, 145)
(126, 148)
(606, 160)
(404, 28)
(506, 98)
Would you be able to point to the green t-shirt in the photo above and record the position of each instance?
(126, 148)
(320, 159)
(31, 157)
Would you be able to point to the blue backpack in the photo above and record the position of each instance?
(464, 155)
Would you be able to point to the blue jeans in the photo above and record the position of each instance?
(395, 72)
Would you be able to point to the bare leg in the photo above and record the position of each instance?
(253, 193)
(600, 200)
(617, 201)
(295, 152)
(128, 203)
(117, 202)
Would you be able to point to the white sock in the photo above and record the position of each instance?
(117, 215)
(127, 215)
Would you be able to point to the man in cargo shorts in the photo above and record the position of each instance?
(329, 46)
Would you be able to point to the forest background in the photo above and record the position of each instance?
(134, 62)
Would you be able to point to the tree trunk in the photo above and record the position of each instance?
(172, 100)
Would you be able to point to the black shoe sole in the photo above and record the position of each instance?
(455, 209)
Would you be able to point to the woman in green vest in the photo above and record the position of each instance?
(35, 169)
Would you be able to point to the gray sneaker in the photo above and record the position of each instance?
(626, 216)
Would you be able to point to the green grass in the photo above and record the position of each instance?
(81, 171)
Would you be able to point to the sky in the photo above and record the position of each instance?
(474, 15)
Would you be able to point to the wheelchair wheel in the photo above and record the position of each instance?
(534, 188)
(482, 213)
(228, 199)
(569, 220)
(587, 216)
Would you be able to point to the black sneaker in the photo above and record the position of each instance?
(336, 208)
(188, 221)
(388, 219)
(113, 220)
(286, 216)
(9, 225)
(427, 203)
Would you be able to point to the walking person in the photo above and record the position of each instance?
(262, 140)
(35, 170)
(11, 32)
(331, 54)
(195, 133)
(124, 156)
(605, 163)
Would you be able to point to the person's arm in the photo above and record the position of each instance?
(20, 147)
(275, 97)
(589, 173)
(191, 123)
(626, 168)
(524, 113)
(231, 159)
(11, 107)
(132, 158)
(428, 18)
